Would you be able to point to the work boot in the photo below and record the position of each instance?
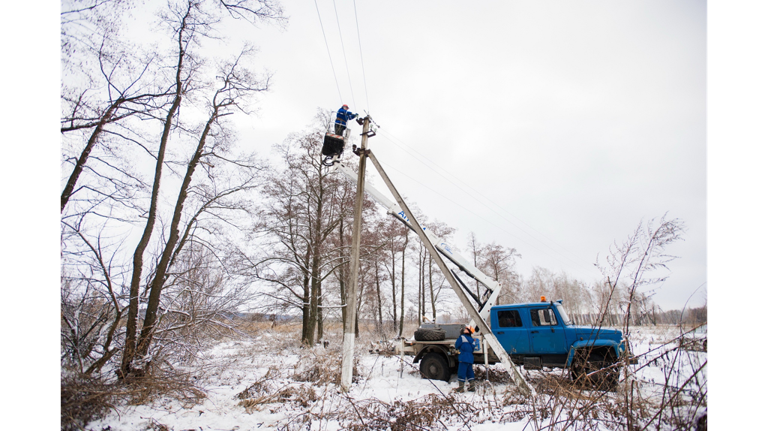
(461, 387)
(471, 386)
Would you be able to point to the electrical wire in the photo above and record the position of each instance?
(424, 160)
(390, 167)
(421, 158)
(475, 194)
(344, 51)
(360, 44)
(341, 99)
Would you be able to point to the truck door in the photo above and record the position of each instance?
(547, 334)
(511, 333)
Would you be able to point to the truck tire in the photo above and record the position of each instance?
(582, 366)
(423, 334)
(434, 367)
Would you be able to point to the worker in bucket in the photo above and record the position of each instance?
(341, 119)
(465, 345)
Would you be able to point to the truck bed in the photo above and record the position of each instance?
(412, 347)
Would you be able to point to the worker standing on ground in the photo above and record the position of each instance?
(465, 345)
(341, 119)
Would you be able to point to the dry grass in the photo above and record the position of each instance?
(308, 392)
(85, 399)
(316, 367)
(272, 389)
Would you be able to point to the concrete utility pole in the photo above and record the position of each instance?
(348, 349)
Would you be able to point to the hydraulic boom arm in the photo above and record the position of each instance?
(431, 243)
(393, 209)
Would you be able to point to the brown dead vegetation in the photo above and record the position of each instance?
(86, 398)
(308, 393)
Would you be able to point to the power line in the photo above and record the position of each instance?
(471, 211)
(360, 44)
(341, 99)
(475, 194)
(343, 51)
(452, 201)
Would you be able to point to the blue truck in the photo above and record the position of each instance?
(534, 335)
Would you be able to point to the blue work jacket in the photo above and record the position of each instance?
(465, 346)
(343, 116)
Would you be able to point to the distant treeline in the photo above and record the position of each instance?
(694, 316)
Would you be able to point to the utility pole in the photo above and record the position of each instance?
(348, 349)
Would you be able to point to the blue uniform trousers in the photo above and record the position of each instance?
(466, 373)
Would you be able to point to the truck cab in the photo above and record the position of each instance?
(541, 334)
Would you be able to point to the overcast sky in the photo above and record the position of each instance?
(551, 127)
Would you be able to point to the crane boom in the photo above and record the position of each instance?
(435, 245)
(493, 287)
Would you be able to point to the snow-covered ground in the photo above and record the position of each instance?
(264, 382)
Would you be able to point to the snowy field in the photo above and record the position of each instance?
(266, 381)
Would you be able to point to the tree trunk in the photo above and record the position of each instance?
(378, 297)
(420, 295)
(402, 286)
(307, 336)
(342, 276)
(129, 350)
(359, 305)
(316, 240)
(319, 312)
(150, 319)
(394, 288)
(431, 289)
(80, 164)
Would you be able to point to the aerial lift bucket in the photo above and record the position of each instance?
(333, 145)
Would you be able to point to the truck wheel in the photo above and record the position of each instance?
(434, 367)
(583, 365)
(429, 334)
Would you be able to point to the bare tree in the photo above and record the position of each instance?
(474, 249)
(402, 284)
(304, 243)
(498, 262)
(91, 311)
(200, 300)
(376, 261)
(435, 278)
(97, 101)
(395, 236)
(636, 264)
(134, 98)
(640, 262)
(137, 99)
(237, 85)
(543, 282)
(185, 33)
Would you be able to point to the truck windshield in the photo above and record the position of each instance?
(563, 314)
